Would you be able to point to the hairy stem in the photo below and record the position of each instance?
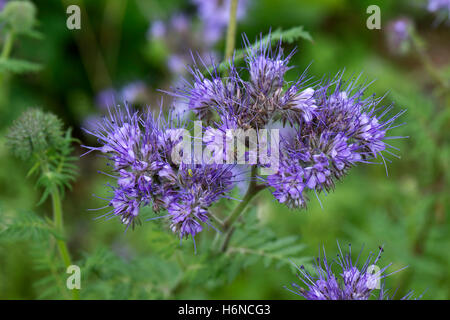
(6, 51)
(252, 191)
(58, 221)
(7, 47)
(231, 32)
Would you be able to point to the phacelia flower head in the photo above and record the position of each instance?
(252, 103)
(267, 68)
(344, 279)
(141, 149)
(332, 124)
(345, 129)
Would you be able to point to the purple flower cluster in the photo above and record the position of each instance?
(350, 280)
(249, 104)
(343, 130)
(329, 126)
(140, 148)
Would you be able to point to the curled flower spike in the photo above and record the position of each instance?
(351, 280)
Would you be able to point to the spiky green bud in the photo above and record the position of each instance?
(19, 16)
(35, 132)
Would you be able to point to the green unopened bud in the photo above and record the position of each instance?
(19, 16)
(35, 132)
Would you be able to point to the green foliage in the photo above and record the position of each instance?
(26, 226)
(18, 66)
(254, 243)
(110, 276)
(39, 136)
(251, 244)
(40, 235)
(52, 283)
(18, 18)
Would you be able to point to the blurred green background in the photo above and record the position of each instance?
(406, 211)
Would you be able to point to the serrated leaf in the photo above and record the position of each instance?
(27, 226)
(18, 66)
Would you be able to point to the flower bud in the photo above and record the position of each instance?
(19, 16)
(35, 132)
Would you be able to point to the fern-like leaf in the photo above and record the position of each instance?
(18, 66)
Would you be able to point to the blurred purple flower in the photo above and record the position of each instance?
(180, 23)
(176, 64)
(399, 35)
(436, 5)
(441, 8)
(157, 30)
(132, 91)
(106, 98)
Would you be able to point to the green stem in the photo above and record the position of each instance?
(7, 47)
(231, 32)
(58, 221)
(239, 210)
(252, 191)
(6, 51)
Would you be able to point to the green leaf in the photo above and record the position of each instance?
(18, 66)
(259, 243)
(27, 226)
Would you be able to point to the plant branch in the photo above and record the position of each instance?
(231, 32)
(58, 221)
(252, 191)
(7, 47)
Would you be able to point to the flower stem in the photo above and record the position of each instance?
(58, 221)
(9, 40)
(252, 191)
(6, 51)
(231, 32)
